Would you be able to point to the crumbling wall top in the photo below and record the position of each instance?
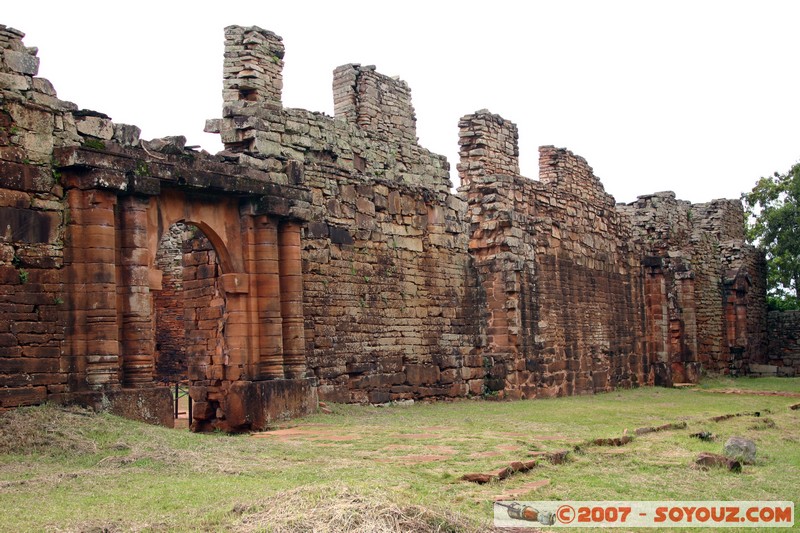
(373, 134)
(253, 66)
(488, 144)
(571, 173)
(16, 58)
(374, 102)
(723, 217)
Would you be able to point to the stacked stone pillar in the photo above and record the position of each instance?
(488, 144)
(253, 66)
(656, 314)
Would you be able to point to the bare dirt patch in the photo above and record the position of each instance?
(479, 455)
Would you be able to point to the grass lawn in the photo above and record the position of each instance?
(388, 468)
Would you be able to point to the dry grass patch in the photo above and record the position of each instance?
(338, 508)
(99, 471)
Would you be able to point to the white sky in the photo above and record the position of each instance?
(700, 97)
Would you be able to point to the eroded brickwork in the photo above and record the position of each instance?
(562, 284)
(783, 350)
(32, 214)
(386, 281)
(329, 255)
(707, 282)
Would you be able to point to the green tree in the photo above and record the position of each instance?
(773, 224)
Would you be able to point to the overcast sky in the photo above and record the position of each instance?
(699, 97)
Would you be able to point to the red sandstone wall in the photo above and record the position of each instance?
(745, 312)
(706, 293)
(32, 214)
(562, 284)
(341, 254)
(386, 293)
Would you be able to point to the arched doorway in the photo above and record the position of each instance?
(189, 311)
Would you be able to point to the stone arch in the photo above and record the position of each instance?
(143, 222)
(117, 218)
(188, 307)
(220, 248)
(217, 218)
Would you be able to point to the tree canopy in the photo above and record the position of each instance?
(774, 225)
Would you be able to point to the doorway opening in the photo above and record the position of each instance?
(190, 315)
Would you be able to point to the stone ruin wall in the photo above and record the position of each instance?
(388, 294)
(514, 287)
(32, 217)
(189, 308)
(783, 348)
(708, 283)
(562, 285)
(170, 306)
(83, 204)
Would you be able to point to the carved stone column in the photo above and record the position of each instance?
(268, 281)
(291, 286)
(91, 350)
(138, 339)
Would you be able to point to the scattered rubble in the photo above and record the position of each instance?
(665, 427)
(706, 460)
(740, 449)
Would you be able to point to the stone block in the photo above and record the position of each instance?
(97, 127)
(706, 460)
(20, 396)
(379, 397)
(740, 449)
(21, 62)
(126, 134)
(340, 236)
(14, 82)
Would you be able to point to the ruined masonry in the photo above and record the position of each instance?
(323, 257)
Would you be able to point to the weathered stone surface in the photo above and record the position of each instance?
(482, 478)
(14, 82)
(21, 62)
(126, 134)
(783, 350)
(704, 435)
(167, 145)
(740, 449)
(664, 427)
(557, 457)
(329, 255)
(27, 226)
(93, 126)
(500, 473)
(613, 441)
